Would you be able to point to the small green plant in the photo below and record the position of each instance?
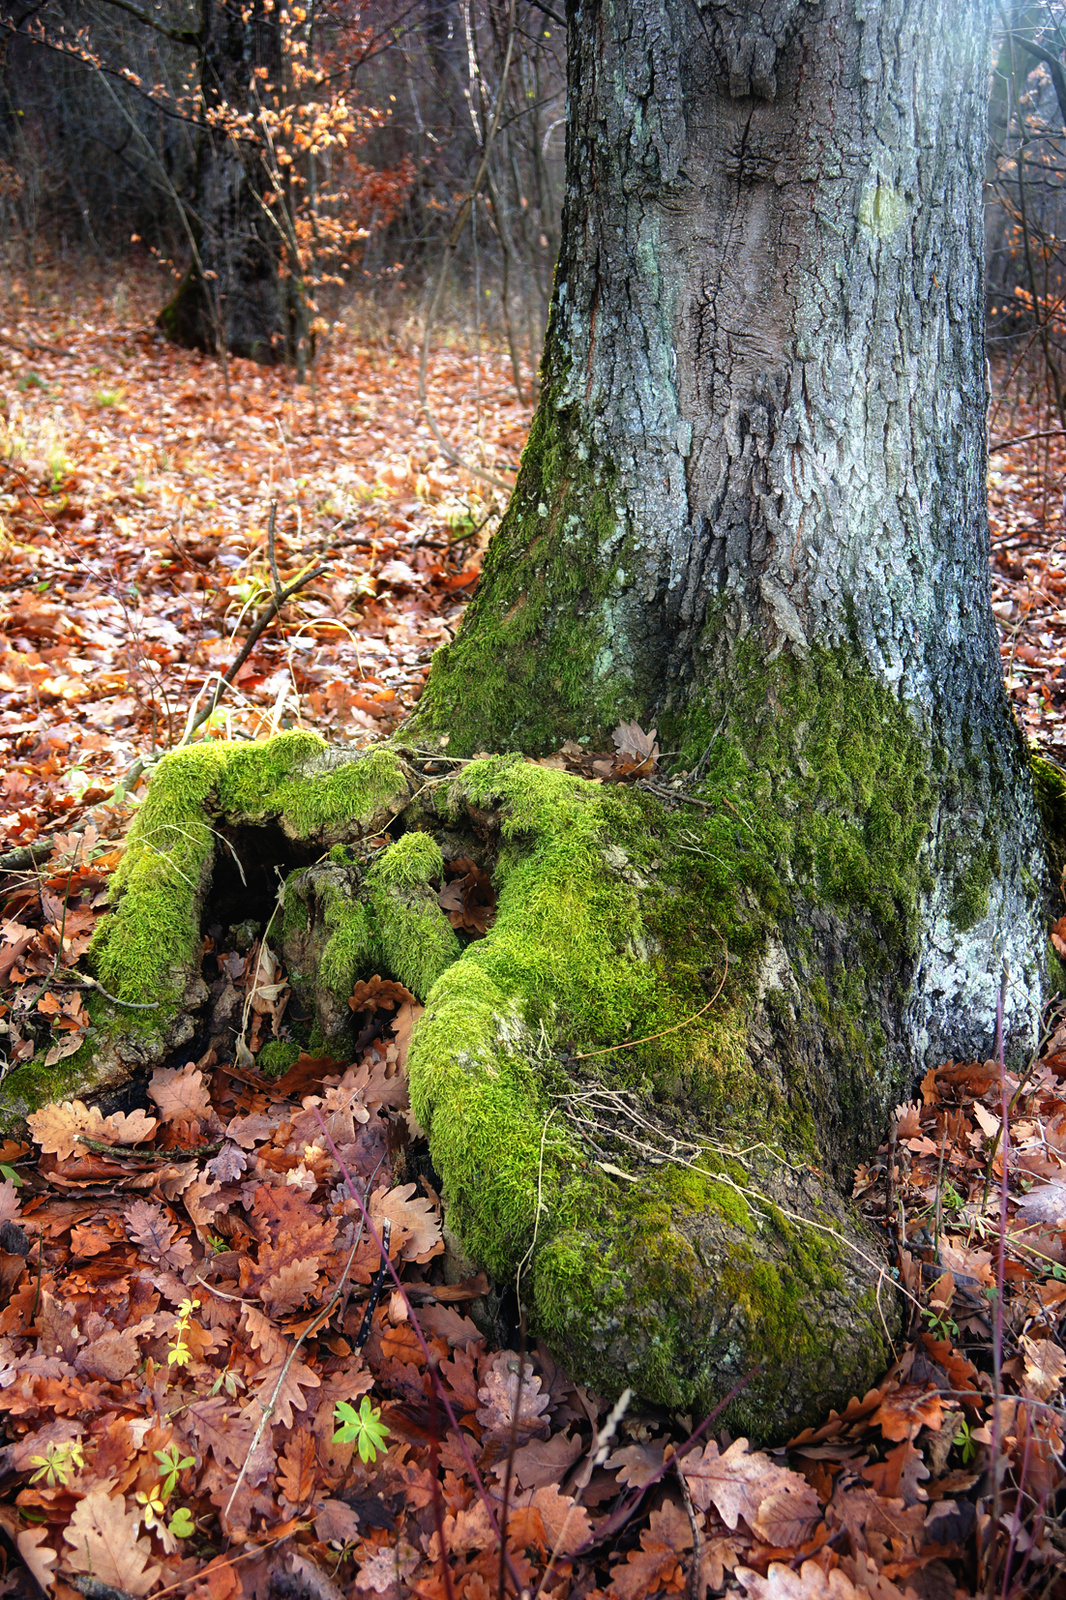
(364, 1428)
(941, 1326)
(179, 1354)
(154, 1500)
(964, 1442)
(181, 1523)
(173, 1464)
(107, 397)
(11, 1175)
(59, 1463)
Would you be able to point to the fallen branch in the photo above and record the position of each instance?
(259, 626)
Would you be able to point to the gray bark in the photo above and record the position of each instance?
(767, 355)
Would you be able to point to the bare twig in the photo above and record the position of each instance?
(1026, 438)
(692, 1587)
(259, 626)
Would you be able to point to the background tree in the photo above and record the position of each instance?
(289, 156)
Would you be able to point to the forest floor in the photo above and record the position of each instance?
(209, 1386)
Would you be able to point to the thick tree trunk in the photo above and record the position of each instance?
(232, 296)
(761, 447)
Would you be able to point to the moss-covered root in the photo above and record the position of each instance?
(147, 950)
(342, 923)
(677, 1279)
(692, 1288)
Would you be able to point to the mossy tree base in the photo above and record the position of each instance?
(626, 1084)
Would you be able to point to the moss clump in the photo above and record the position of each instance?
(292, 778)
(414, 940)
(540, 640)
(345, 956)
(147, 949)
(277, 1056)
(973, 888)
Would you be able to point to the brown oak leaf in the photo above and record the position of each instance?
(1045, 1366)
(907, 1410)
(103, 1538)
(900, 1475)
(296, 1468)
(290, 1287)
(658, 1560)
(180, 1093)
(148, 1227)
(500, 1399)
(39, 1557)
(56, 1128)
(542, 1462)
(416, 1224)
(737, 1483)
(403, 1029)
(636, 1464)
(379, 994)
(290, 1392)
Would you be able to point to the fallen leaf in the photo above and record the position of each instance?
(104, 1543)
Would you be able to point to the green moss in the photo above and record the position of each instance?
(277, 1056)
(271, 779)
(348, 948)
(540, 655)
(147, 950)
(414, 859)
(972, 888)
(830, 776)
(413, 938)
(1049, 788)
(144, 950)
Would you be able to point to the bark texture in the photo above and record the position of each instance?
(762, 435)
(232, 296)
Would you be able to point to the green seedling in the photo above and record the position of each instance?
(58, 1464)
(179, 1354)
(173, 1464)
(964, 1442)
(364, 1428)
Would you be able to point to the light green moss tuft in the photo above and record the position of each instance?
(414, 859)
(277, 1056)
(143, 951)
(414, 939)
(348, 950)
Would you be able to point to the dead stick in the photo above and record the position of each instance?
(261, 623)
(692, 1588)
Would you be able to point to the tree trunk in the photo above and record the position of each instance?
(232, 296)
(752, 508)
(751, 512)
